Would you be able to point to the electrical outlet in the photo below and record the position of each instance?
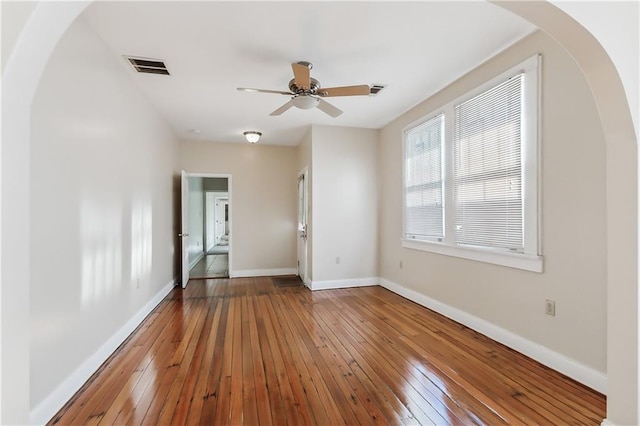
(550, 307)
(337, 260)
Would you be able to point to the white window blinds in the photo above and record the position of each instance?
(423, 186)
(487, 183)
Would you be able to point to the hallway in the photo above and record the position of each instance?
(211, 266)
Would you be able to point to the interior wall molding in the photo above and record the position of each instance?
(244, 273)
(334, 284)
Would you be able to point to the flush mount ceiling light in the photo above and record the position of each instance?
(252, 136)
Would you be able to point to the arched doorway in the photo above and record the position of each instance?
(622, 190)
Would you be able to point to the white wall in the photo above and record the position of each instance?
(573, 182)
(101, 195)
(344, 203)
(195, 244)
(263, 204)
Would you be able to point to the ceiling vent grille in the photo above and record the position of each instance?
(148, 66)
(376, 88)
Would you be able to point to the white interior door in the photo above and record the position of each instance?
(184, 231)
(302, 228)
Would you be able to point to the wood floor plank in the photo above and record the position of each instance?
(395, 411)
(498, 393)
(544, 403)
(248, 351)
(309, 395)
(164, 400)
(494, 355)
(97, 394)
(434, 407)
(256, 359)
(201, 374)
(236, 396)
(211, 396)
(280, 392)
(223, 403)
(328, 386)
(342, 363)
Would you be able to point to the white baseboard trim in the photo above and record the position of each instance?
(195, 261)
(565, 365)
(606, 422)
(333, 284)
(243, 273)
(46, 409)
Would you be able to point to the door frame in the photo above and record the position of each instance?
(184, 229)
(228, 176)
(225, 202)
(302, 245)
(210, 213)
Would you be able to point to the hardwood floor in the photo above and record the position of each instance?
(242, 351)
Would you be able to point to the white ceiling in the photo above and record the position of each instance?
(211, 48)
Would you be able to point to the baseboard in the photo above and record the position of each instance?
(606, 422)
(195, 261)
(333, 284)
(44, 411)
(243, 273)
(565, 365)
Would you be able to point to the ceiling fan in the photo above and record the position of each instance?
(306, 92)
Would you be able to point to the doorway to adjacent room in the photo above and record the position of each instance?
(207, 238)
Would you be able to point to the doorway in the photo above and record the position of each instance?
(206, 232)
(302, 228)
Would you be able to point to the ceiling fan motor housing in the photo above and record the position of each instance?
(315, 85)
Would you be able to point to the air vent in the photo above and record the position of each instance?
(148, 66)
(376, 88)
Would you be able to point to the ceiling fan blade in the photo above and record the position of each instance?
(328, 108)
(283, 108)
(361, 89)
(277, 92)
(302, 75)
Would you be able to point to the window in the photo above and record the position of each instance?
(471, 174)
(424, 203)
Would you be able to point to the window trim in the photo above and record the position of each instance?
(531, 259)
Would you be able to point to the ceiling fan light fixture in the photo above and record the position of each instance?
(252, 136)
(306, 92)
(305, 102)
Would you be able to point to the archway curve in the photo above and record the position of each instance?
(21, 77)
(622, 201)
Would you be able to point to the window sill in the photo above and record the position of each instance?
(526, 262)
